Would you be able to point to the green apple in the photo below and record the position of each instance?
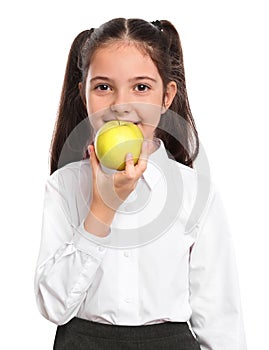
(114, 140)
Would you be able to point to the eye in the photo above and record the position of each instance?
(102, 87)
(142, 87)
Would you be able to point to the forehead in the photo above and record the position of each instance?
(122, 55)
(123, 45)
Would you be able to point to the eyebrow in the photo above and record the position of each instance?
(99, 77)
(143, 77)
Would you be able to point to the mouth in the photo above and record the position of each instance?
(123, 120)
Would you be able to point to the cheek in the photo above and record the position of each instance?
(150, 114)
(96, 120)
(92, 105)
(150, 120)
(95, 112)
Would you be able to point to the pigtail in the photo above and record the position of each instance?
(71, 109)
(184, 147)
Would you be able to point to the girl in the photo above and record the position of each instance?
(120, 266)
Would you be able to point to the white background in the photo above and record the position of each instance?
(225, 47)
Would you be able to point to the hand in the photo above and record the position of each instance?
(112, 190)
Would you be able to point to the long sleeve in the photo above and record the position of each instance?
(68, 259)
(214, 290)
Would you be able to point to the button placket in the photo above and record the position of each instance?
(126, 279)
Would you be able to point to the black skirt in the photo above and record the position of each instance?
(80, 334)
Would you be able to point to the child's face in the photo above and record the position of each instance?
(123, 83)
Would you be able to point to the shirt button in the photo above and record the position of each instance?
(126, 254)
(100, 248)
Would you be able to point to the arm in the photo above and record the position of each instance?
(214, 290)
(68, 259)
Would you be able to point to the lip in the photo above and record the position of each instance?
(136, 122)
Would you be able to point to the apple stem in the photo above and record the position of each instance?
(117, 120)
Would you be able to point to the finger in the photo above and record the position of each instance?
(129, 164)
(93, 160)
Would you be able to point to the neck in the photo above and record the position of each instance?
(154, 145)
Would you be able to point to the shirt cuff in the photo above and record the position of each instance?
(90, 243)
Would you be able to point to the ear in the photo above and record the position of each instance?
(170, 93)
(81, 92)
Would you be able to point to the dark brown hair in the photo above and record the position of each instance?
(161, 41)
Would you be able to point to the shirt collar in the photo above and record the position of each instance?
(156, 162)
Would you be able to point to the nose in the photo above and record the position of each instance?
(121, 105)
(121, 109)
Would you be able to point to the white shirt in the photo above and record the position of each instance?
(149, 269)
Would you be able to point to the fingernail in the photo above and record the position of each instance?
(129, 156)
